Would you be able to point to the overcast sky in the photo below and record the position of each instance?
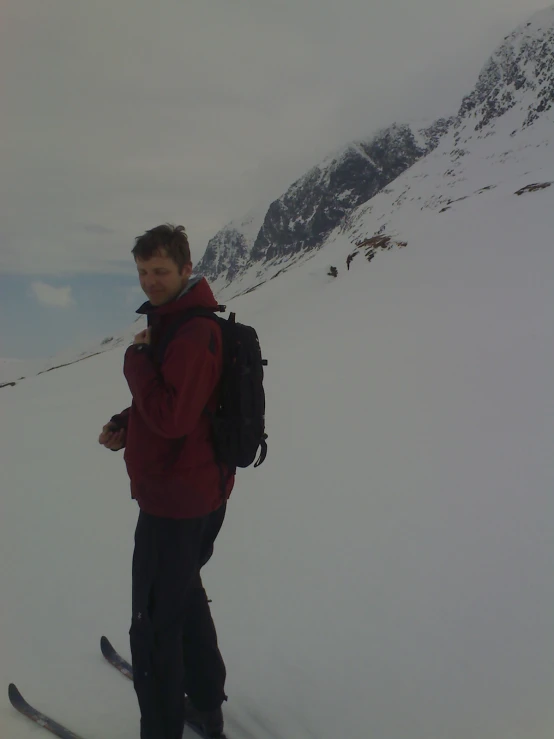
(118, 115)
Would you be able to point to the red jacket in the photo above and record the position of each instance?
(168, 452)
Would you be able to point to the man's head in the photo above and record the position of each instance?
(162, 256)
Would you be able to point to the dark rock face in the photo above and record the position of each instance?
(303, 217)
(226, 254)
(316, 204)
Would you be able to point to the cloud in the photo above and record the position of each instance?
(49, 295)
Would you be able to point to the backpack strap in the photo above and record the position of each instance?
(169, 333)
(263, 451)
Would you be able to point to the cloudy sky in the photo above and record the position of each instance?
(118, 115)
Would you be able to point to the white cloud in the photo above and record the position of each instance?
(49, 295)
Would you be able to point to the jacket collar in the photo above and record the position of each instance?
(196, 294)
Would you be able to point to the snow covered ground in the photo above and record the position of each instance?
(15, 370)
(389, 571)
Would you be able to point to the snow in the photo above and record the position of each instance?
(15, 369)
(389, 570)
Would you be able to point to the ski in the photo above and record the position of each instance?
(21, 705)
(115, 659)
(121, 664)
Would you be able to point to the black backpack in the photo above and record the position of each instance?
(238, 425)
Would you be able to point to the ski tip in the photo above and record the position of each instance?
(13, 693)
(107, 648)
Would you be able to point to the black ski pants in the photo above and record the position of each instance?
(173, 638)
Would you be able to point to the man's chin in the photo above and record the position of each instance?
(158, 299)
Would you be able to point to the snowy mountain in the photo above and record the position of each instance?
(229, 250)
(302, 218)
(518, 77)
(517, 80)
(502, 139)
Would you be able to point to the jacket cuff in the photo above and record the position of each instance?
(145, 349)
(120, 420)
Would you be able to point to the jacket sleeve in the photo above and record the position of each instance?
(171, 400)
(121, 420)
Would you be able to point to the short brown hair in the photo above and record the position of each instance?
(173, 239)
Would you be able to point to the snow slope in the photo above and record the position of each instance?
(389, 570)
(16, 370)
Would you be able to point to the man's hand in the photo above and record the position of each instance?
(143, 337)
(112, 438)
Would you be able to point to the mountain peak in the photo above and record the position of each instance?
(538, 22)
(519, 76)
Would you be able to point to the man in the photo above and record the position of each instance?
(180, 490)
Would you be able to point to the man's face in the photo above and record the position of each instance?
(160, 277)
